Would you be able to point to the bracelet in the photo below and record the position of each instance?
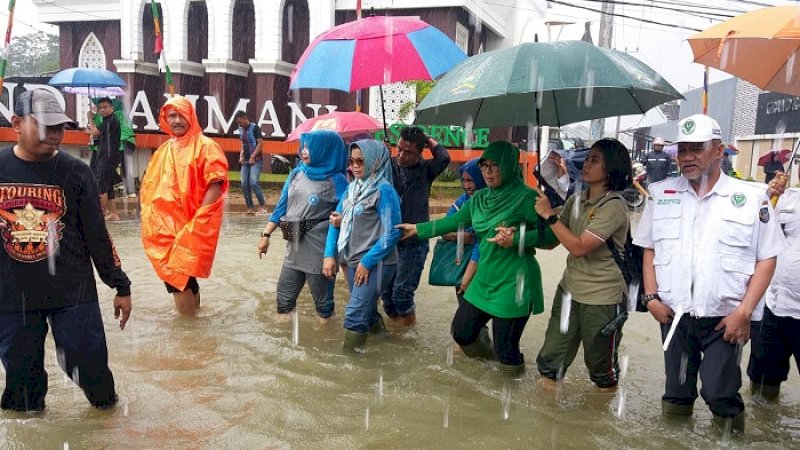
(648, 297)
(266, 235)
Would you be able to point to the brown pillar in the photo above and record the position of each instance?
(270, 86)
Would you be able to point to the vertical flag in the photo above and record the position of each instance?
(7, 44)
(358, 92)
(159, 46)
(705, 91)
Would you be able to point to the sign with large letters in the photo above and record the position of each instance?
(218, 122)
(777, 114)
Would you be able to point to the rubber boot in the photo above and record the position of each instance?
(378, 327)
(765, 391)
(481, 348)
(676, 410)
(510, 371)
(733, 425)
(353, 340)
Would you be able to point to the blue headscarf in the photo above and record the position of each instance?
(377, 169)
(471, 167)
(327, 154)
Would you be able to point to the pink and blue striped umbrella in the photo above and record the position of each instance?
(373, 51)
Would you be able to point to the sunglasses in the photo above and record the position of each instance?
(357, 162)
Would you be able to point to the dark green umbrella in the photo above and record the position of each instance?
(540, 83)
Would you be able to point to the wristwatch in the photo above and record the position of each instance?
(646, 298)
(266, 235)
(552, 219)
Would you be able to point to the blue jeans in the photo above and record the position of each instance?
(250, 183)
(361, 311)
(398, 294)
(83, 355)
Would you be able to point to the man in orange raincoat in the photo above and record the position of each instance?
(182, 200)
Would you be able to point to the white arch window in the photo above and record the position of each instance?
(92, 55)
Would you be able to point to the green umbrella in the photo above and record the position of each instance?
(554, 83)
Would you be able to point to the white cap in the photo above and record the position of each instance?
(658, 141)
(698, 128)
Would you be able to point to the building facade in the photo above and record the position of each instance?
(229, 55)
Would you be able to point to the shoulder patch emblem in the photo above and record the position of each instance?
(763, 214)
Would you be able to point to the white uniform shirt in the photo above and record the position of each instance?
(706, 248)
(550, 174)
(783, 295)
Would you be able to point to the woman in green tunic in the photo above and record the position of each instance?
(507, 286)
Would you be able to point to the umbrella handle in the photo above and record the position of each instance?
(785, 181)
(383, 115)
(787, 176)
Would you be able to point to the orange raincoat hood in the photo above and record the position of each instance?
(184, 108)
(179, 233)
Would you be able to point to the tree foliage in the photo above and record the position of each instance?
(421, 89)
(33, 54)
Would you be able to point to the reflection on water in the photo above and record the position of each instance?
(232, 378)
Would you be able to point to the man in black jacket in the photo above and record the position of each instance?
(657, 162)
(52, 230)
(412, 177)
(106, 157)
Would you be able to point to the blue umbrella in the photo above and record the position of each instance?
(86, 77)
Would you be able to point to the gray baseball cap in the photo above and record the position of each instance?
(43, 106)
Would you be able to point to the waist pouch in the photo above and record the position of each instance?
(296, 229)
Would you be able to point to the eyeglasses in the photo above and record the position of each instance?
(489, 168)
(357, 162)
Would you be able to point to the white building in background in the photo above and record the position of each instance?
(235, 54)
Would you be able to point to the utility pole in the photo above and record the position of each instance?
(606, 35)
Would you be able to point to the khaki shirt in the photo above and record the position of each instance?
(595, 279)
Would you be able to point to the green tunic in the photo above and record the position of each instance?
(494, 287)
(508, 283)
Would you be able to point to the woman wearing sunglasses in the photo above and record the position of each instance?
(366, 240)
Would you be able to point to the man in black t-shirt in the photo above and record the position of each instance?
(51, 231)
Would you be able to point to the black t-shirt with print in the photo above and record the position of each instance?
(51, 229)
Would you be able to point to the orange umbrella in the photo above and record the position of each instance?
(760, 47)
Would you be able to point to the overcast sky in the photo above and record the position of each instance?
(663, 48)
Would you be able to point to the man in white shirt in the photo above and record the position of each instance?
(555, 177)
(710, 243)
(777, 337)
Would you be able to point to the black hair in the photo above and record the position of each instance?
(414, 135)
(105, 100)
(617, 162)
(239, 115)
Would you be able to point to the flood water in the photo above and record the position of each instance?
(232, 378)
